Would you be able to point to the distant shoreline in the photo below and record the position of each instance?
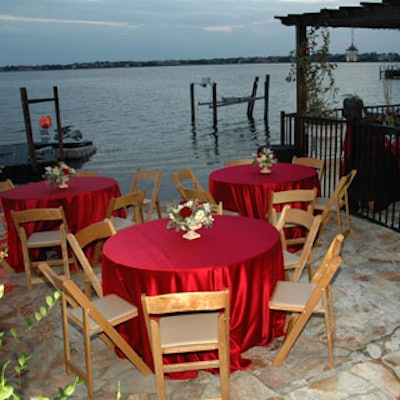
(365, 57)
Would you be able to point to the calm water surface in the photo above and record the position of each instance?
(140, 117)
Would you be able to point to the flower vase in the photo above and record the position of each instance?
(191, 233)
(265, 170)
(63, 183)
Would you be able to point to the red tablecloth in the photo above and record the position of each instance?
(85, 201)
(244, 189)
(243, 254)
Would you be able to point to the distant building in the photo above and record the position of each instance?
(352, 51)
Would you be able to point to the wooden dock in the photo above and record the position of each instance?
(391, 72)
(16, 165)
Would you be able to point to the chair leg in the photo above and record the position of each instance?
(88, 358)
(67, 348)
(291, 336)
(224, 372)
(28, 268)
(327, 317)
(331, 311)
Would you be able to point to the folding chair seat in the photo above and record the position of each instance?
(41, 228)
(186, 179)
(143, 177)
(189, 322)
(92, 235)
(303, 299)
(304, 256)
(130, 204)
(97, 317)
(316, 163)
(338, 199)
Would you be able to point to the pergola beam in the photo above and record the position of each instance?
(384, 15)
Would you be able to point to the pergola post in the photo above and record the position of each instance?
(301, 60)
(301, 84)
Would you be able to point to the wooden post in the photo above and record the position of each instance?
(250, 104)
(214, 96)
(28, 129)
(59, 127)
(301, 43)
(192, 105)
(266, 100)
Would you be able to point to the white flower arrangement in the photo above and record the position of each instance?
(59, 173)
(189, 215)
(265, 157)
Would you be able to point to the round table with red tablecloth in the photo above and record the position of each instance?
(242, 254)
(245, 190)
(85, 201)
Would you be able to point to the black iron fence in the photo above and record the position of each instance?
(368, 145)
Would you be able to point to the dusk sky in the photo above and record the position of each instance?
(34, 32)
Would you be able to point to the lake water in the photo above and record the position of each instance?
(140, 117)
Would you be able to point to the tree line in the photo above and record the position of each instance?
(364, 57)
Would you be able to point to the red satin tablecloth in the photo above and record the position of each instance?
(243, 254)
(245, 190)
(84, 201)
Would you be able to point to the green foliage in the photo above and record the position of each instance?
(319, 73)
(13, 368)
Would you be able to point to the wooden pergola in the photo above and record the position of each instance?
(384, 15)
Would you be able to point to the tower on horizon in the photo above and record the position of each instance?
(352, 51)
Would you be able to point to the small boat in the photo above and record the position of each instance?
(75, 147)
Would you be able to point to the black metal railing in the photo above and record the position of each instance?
(371, 148)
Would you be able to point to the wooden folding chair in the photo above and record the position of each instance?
(297, 261)
(303, 299)
(338, 199)
(143, 177)
(185, 323)
(316, 163)
(87, 174)
(206, 197)
(238, 161)
(185, 177)
(97, 317)
(95, 234)
(29, 226)
(131, 203)
(295, 198)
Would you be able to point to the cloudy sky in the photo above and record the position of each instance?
(65, 31)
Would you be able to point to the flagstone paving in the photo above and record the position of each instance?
(367, 345)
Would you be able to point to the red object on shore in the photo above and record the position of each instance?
(45, 121)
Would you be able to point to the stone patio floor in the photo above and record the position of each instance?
(367, 345)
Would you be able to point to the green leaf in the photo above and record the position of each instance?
(14, 333)
(38, 316)
(43, 311)
(6, 392)
(28, 321)
(49, 301)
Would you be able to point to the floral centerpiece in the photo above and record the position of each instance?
(59, 174)
(264, 159)
(190, 215)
